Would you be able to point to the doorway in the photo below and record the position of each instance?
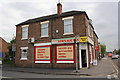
(83, 58)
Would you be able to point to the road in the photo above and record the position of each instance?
(10, 75)
(27, 76)
(117, 65)
(117, 62)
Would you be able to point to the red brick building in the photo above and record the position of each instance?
(3, 47)
(56, 41)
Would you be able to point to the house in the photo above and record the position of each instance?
(3, 47)
(56, 41)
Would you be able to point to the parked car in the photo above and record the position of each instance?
(115, 56)
(0, 62)
(110, 54)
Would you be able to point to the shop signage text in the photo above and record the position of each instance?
(65, 53)
(42, 54)
(64, 40)
(83, 39)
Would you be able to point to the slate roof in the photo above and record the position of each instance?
(96, 34)
(65, 14)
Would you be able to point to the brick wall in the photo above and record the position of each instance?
(79, 28)
(3, 46)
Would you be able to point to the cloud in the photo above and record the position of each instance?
(103, 14)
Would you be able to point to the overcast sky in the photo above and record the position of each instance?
(104, 15)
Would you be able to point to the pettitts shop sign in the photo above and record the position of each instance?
(63, 40)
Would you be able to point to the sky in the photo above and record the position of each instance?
(104, 15)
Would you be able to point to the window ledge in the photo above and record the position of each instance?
(68, 33)
(23, 59)
(43, 36)
(24, 38)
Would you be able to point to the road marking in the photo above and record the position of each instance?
(115, 66)
(3, 77)
(109, 77)
(115, 75)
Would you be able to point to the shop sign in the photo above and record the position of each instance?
(83, 39)
(86, 39)
(97, 48)
(42, 54)
(65, 54)
(95, 62)
(64, 40)
(13, 47)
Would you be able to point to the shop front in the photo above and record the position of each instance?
(86, 52)
(64, 50)
(63, 53)
(42, 53)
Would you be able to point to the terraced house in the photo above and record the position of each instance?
(3, 48)
(57, 41)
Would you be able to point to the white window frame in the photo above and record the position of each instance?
(68, 18)
(45, 22)
(27, 31)
(21, 49)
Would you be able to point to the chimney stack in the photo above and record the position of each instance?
(59, 8)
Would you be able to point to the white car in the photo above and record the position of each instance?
(115, 56)
(0, 62)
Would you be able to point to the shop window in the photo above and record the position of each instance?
(65, 53)
(25, 32)
(42, 54)
(44, 29)
(24, 53)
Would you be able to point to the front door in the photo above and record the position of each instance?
(83, 58)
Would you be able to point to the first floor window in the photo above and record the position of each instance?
(24, 53)
(68, 25)
(25, 32)
(44, 29)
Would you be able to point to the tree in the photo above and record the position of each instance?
(103, 50)
(118, 51)
(115, 51)
(11, 53)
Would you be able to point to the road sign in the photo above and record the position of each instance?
(13, 47)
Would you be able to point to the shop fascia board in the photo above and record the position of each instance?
(55, 41)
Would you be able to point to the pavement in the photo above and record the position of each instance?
(105, 67)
